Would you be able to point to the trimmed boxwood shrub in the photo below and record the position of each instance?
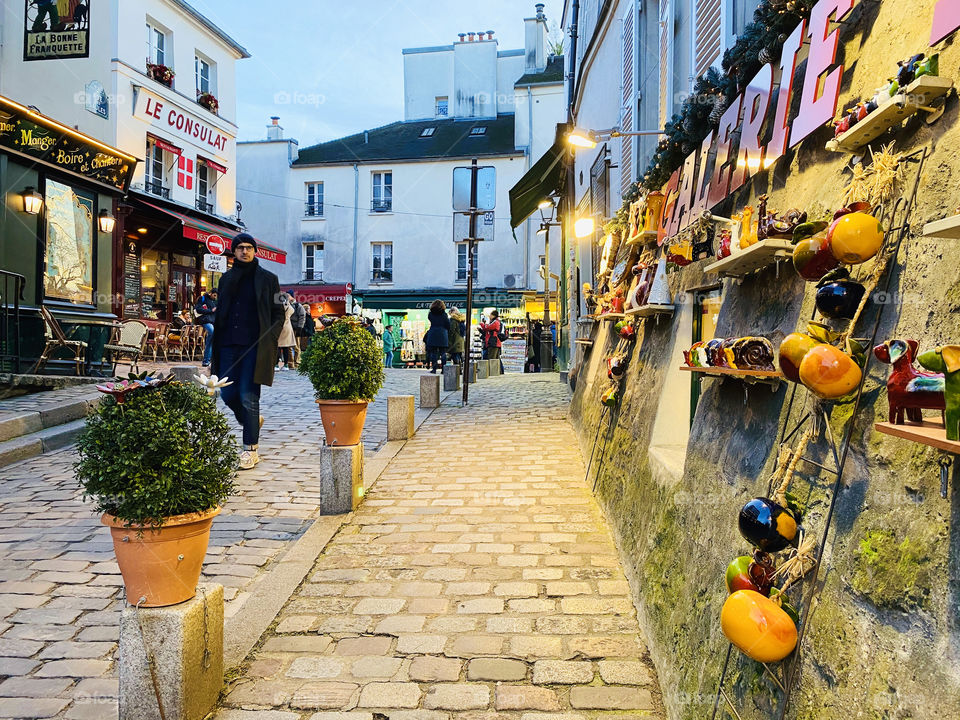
(343, 362)
(162, 451)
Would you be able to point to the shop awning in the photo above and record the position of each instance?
(200, 230)
(375, 300)
(540, 182)
(330, 293)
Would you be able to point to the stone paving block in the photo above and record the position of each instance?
(624, 646)
(536, 647)
(375, 667)
(17, 666)
(562, 672)
(610, 698)
(496, 669)
(19, 648)
(400, 624)
(33, 687)
(526, 697)
(379, 606)
(258, 715)
(325, 695)
(93, 710)
(40, 632)
(472, 645)
(458, 696)
(624, 672)
(428, 669)
(76, 668)
(480, 606)
(314, 668)
(31, 707)
(421, 644)
(364, 646)
(390, 695)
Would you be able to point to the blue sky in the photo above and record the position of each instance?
(329, 68)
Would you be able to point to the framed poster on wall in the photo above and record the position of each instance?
(69, 260)
(56, 29)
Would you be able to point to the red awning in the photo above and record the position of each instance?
(164, 145)
(212, 163)
(200, 230)
(321, 293)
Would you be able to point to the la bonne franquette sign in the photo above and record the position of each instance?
(692, 189)
(163, 114)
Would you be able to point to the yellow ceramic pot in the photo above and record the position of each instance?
(758, 626)
(829, 372)
(855, 238)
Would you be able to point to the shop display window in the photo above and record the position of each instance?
(155, 284)
(70, 263)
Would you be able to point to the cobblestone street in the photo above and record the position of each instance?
(60, 595)
(478, 579)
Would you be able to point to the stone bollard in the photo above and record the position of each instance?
(563, 377)
(483, 369)
(400, 425)
(185, 373)
(473, 372)
(451, 377)
(341, 478)
(184, 645)
(495, 368)
(429, 391)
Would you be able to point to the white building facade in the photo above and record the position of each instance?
(158, 81)
(374, 210)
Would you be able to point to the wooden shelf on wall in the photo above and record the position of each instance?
(584, 341)
(909, 101)
(946, 228)
(648, 237)
(611, 316)
(650, 310)
(926, 433)
(770, 376)
(756, 257)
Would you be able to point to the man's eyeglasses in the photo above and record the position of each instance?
(244, 248)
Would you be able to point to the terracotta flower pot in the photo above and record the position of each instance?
(161, 564)
(342, 420)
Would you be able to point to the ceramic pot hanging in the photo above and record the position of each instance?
(758, 626)
(738, 577)
(855, 238)
(812, 258)
(829, 373)
(610, 397)
(767, 525)
(840, 299)
(793, 349)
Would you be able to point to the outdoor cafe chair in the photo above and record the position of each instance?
(56, 339)
(130, 342)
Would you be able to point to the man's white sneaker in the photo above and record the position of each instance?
(248, 459)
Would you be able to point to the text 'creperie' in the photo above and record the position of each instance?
(177, 120)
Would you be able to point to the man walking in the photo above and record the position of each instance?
(206, 309)
(245, 339)
(389, 342)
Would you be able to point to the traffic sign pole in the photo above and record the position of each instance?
(471, 243)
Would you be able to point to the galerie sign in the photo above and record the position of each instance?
(760, 118)
(161, 113)
(55, 30)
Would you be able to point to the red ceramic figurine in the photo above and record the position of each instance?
(909, 390)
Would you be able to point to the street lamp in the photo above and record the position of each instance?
(32, 202)
(584, 227)
(588, 139)
(547, 209)
(106, 221)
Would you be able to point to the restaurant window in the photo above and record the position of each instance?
(462, 262)
(314, 203)
(313, 261)
(443, 107)
(382, 263)
(153, 179)
(382, 192)
(206, 179)
(69, 270)
(203, 71)
(155, 284)
(156, 45)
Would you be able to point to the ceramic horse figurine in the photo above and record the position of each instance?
(909, 391)
(946, 359)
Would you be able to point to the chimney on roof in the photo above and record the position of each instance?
(535, 49)
(462, 36)
(489, 34)
(471, 36)
(274, 131)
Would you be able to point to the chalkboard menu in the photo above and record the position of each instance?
(131, 281)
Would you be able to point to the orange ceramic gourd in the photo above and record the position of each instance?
(793, 349)
(758, 626)
(829, 372)
(855, 238)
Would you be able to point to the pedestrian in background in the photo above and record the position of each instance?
(437, 338)
(297, 320)
(389, 343)
(246, 329)
(458, 329)
(288, 339)
(494, 333)
(553, 334)
(536, 335)
(206, 308)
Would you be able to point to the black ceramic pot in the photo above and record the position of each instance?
(839, 299)
(767, 525)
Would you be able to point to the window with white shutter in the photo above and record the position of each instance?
(626, 109)
(708, 40)
(666, 61)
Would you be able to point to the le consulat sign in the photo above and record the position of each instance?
(761, 117)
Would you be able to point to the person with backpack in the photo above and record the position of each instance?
(494, 333)
(437, 338)
(458, 329)
(297, 321)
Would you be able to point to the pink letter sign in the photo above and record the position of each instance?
(946, 19)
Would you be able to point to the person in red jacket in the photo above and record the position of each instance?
(493, 334)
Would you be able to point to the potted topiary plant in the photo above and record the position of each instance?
(345, 367)
(158, 460)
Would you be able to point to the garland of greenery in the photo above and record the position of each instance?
(713, 92)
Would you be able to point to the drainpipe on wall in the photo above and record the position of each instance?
(526, 227)
(569, 201)
(356, 219)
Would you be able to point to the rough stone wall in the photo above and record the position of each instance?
(883, 639)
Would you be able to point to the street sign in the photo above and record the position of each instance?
(486, 188)
(485, 227)
(216, 244)
(214, 263)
